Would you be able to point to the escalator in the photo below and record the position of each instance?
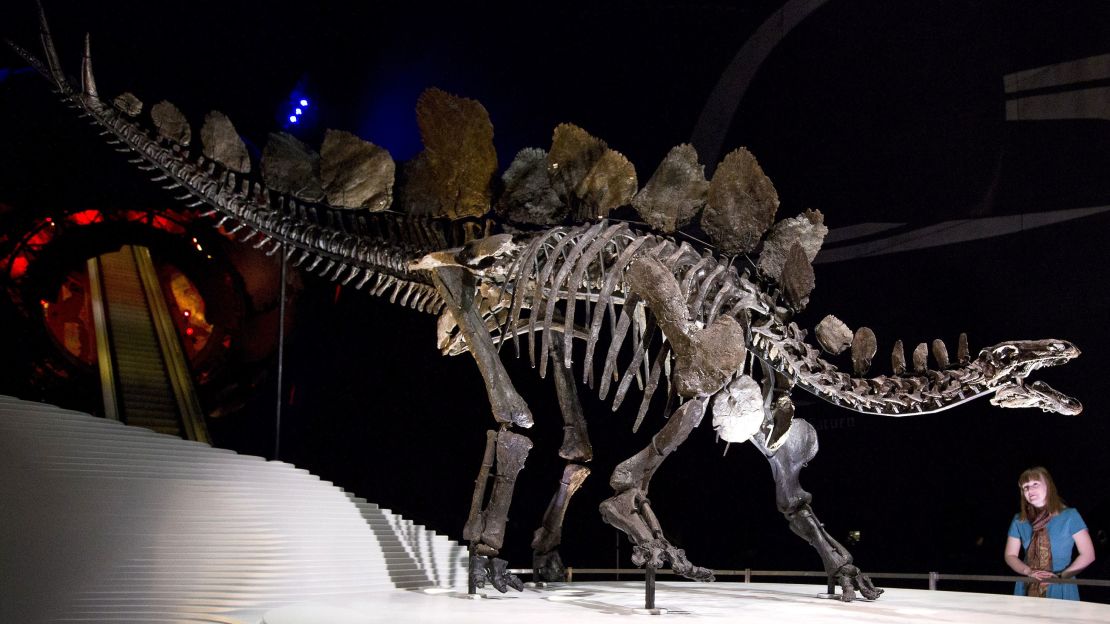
(145, 378)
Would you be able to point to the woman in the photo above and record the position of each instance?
(1047, 530)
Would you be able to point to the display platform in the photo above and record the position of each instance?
(584, 603)
(105, 523)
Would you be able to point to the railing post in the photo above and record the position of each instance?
(747, 575)
(933, 577)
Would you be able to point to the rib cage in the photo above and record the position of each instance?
(595, 256)
(558, 272)
(535, 290)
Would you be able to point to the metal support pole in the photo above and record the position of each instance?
(280, 357)
(617, 553)
(471, 583)
(933, 577)
(649, 587)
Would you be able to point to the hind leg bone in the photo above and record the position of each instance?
(485, 529)
(547, 565)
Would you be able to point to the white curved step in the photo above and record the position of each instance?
(109, 523)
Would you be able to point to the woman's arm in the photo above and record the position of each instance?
(1086, 554)
(1013, 550)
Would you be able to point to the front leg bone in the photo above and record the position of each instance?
(630, 511)
(705, 358)
(787, 461)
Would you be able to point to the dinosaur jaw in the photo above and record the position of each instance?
(1008, 364)
(1011, 362)
(1037, 394)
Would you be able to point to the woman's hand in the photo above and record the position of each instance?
(1042, 576)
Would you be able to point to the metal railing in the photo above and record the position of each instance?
(933, 578)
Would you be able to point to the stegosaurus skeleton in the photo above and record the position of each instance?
(686, 318)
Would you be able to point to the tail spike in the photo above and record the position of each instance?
(51, 53)
(88, 83)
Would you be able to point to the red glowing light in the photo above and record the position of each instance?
(186, 313)
(188, 331)
(41, 238)
(19, 267)
(85, 217)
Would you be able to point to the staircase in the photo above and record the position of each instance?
(107, 523)
(145, 378)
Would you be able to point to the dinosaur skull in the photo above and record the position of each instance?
(1006, 365)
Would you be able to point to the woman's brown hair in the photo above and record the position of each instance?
(1053, 503)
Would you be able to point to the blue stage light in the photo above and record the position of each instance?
(304, 102)
(292, 119)
(298, 112)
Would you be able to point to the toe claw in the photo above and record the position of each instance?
(851, 579)
(495, 572)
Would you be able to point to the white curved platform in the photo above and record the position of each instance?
(101, 522)
(586, 603)
(104, 523)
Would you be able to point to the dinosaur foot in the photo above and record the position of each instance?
(851, 580)
(548, 567)
(495, 572)
(659, 551)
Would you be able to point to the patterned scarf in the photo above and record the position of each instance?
(1039, 554)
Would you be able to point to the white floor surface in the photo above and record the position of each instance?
(584, 603)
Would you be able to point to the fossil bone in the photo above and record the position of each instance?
(681, 319)
(675, 193)
(833, 335)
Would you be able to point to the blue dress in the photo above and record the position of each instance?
(1060, 529)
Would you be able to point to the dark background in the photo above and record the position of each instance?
(869, 111)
